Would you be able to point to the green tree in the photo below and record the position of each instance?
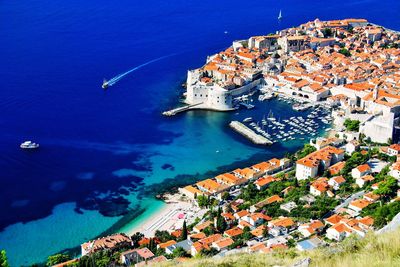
(221, 223)
(327, 32)
(136, 237)
(291, 243)
(352, 125)
(184, 231)
(163, 236)
(307, 149)
(387, 188)
(57, 258)
(225, 195)
(3, 259)
(203, 201)
(344, 52)
(179, 252)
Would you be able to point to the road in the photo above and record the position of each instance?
(345, 203)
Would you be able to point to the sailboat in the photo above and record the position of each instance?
(280, 15)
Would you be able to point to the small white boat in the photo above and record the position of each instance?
(29, 145)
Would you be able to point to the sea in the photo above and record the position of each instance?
(104, 154)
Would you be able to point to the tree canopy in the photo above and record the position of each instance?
(3, 259)
(57, 258)
(352, 125)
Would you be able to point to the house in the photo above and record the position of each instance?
(395, 170)
(166, 244)
(336, 168)
(281, 222)
(319, 187)
(240, 214)
(352, 146)
(288, 206)
(269, 200)
(308, 199)
(211, 186)
(364, 179)
(191, 192)
(308, 229)
(204, 243)
(360, 171)
(338, 232)
(259, 231)
(336, 182)
(185, 244)
(200, 227)
(393, 150)
(262, 182)
(233, 232)
(359, 204)
(309, 166)
(111, 242)
(255, 219)
(154, 261)
(229, 179)
(133, 256)
(334, 219)
(371, 197)
(222, 243)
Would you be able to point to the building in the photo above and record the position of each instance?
(191, 192)
(133, 256)
(185, 244)
(338, 232)
(336, 182)
(352, 146)
(111, 242)
(313, 227)
(360, 171)
(359, 204)
(393, 150)
(319, 187)
(364, 179)
(310, 165)
(395, 170)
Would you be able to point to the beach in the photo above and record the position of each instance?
(170, 217)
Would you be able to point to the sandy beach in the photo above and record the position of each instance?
(177, 209)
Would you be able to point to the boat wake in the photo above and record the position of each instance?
(117, 78)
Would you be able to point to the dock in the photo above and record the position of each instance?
(175, 111)
(249, 133)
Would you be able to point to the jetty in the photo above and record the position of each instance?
(249, 133)
(175, 111)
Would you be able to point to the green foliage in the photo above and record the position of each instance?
(184, 231)
(249, 192)
(355, 160)
(382, 214)
(99, 259)
(136, 237)
(208, 253)
(352, 125)
(3, 259)
(203, 201)
(179, 252)
(208, 231)
(344, 52)
(57, 258)
(386, 157)
(225, 195)
(247, 235)
(221, 224)
(387, 188)
(291, 243)
(305, 151)
(327, 32)
(163, 236)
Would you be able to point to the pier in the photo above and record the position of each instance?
(249, 133)
(175, 111)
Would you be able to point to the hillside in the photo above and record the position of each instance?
(374, 250)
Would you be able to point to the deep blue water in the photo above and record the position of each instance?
(101, 148)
